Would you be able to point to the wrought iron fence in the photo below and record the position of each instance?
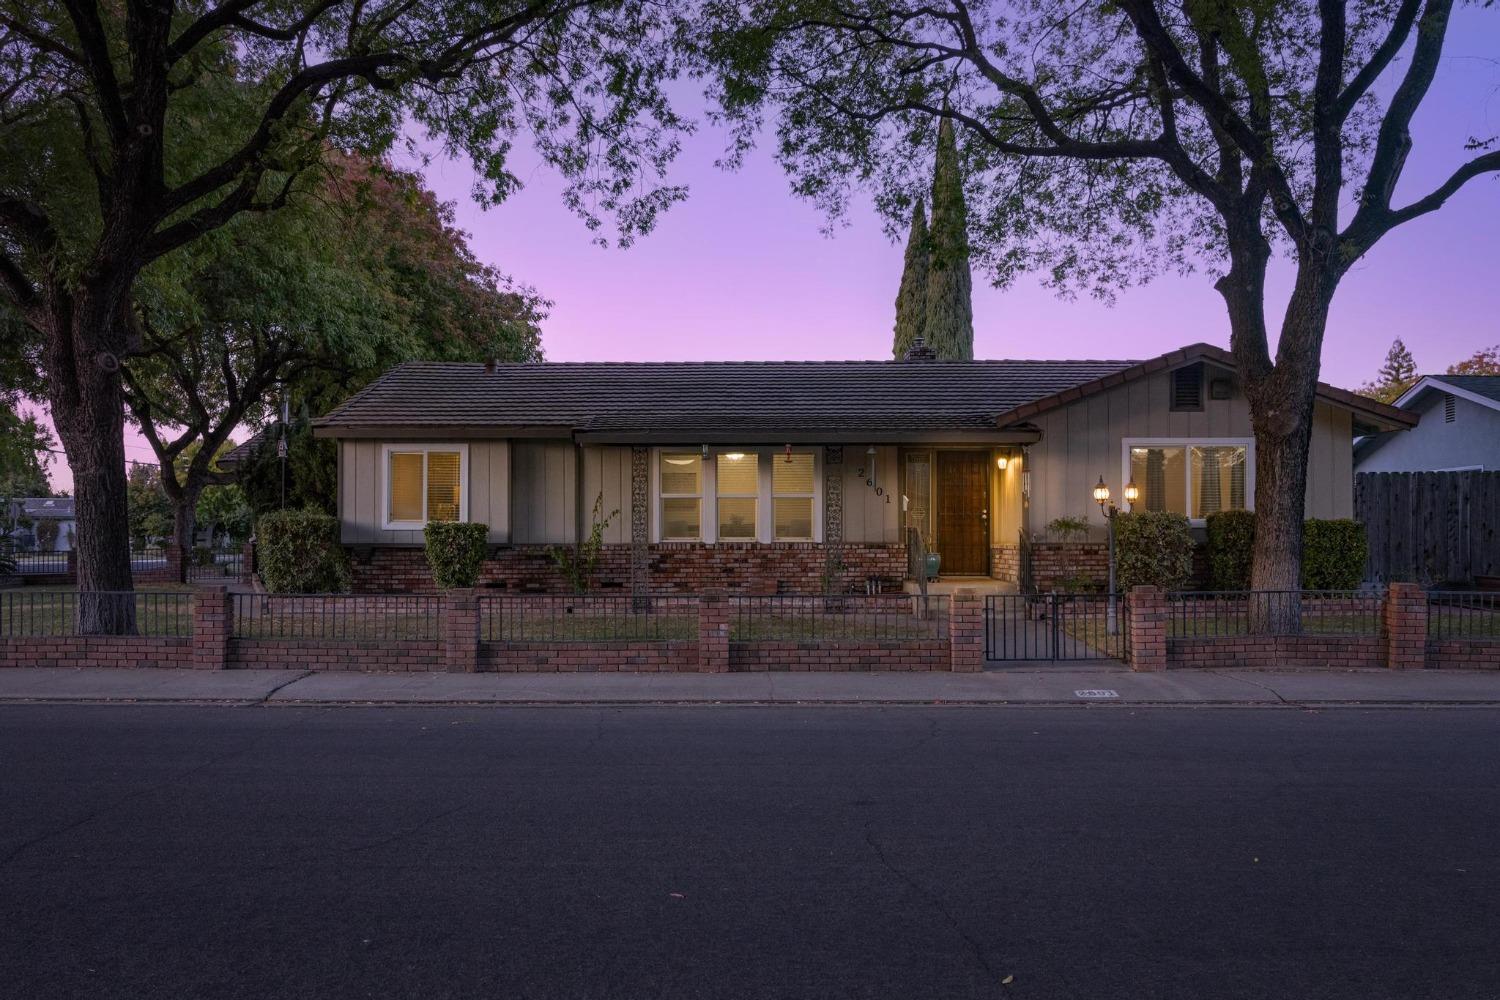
(40, 563)
(338, 617)
(1056, 627)
(1214, 614)
(1463, 615)
(583, 618)
(873, 618)
(147, 557)
(56, 612)
(217, 563)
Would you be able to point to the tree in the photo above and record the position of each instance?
(133, 132)
(368, 273)
(1396, 375)
(950, 306)
(148, 514)
(24, 454)
(1483, 362)
(911, 299)
(1108, 142)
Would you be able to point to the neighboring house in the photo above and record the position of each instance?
(1459, 429)
(55, 510)
(232, 459)
(797, 476)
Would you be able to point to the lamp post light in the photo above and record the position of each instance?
(1109, 510)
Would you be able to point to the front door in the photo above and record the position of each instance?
(963, 512)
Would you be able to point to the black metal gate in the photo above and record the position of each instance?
(1055, 627)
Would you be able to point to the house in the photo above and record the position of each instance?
(48, 523)
(1459, 429)
(798, 476)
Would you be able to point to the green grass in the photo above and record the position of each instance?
(1211, 626)
(1456, 622)
(44, 611)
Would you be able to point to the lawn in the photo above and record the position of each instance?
(164, 609)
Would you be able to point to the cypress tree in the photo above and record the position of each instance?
(1398, 374)
(911, 300)
(950, 308)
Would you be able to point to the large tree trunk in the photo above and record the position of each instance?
(88, 409)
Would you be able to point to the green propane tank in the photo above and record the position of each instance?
(934, 560)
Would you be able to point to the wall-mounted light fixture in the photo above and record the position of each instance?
(1002, 462)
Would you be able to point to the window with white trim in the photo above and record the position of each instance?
(1195, 477)
(793, 491)
(737, 489)
(680, 480)
(425, 483)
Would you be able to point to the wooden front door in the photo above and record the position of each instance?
(963, 512)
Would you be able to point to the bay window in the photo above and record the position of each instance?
(737, 495)
(424, 483)
(1194, 477)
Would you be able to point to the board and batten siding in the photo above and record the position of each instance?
(544, 493)
(1081, 442)
(361, 496)
(868, 518)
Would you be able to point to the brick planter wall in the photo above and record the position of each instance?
(807, 657)
(1275, 651)
(672, 568)
(592, 657)
(1053, 562)
(1005, 563)
(412, 656)
(96, 651)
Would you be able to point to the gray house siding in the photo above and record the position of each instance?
(1472, 439)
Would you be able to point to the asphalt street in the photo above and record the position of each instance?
(664, 853)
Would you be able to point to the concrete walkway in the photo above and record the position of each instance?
(1050, 686)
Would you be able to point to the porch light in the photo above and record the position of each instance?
(734, 456)
(1132, 493)
(1101, 493)
(1001, 463)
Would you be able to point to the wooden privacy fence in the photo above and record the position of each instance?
(1430, 527)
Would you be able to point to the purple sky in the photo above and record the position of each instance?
(742, 271)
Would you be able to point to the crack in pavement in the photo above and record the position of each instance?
(284, 684)
(935, 901)
(1263, 687)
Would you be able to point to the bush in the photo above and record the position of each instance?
(1153, 548)
(455, 551)
(1333, 554)
(203, 555)
(1231, 543)
(298, 552)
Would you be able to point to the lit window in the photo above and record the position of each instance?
(792, 493)
(681, 497)
(739, 494)
(424, 484)
(1190, 477)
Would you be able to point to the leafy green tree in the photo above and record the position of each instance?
(148, 513)
(1107, 143)
(911, 300)
(1397, 374)
(369, 273)
(225, 511)
(132, 132)
(950, 306)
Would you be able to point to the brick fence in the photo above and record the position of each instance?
(704, 641)
(1397, 638)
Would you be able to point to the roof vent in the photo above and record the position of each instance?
(919, 351)
(1450, 408)
(1187, 388)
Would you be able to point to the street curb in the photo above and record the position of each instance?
(755, 703)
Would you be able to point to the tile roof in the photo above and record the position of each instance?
(60, 508)
(1487, 386)
(705, 396)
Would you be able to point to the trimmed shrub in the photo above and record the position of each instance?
(1333, 554)
(299, 552)
(455, 551)
(1153, 548)
(1231, 543)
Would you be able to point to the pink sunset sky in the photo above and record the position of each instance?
(742, 270)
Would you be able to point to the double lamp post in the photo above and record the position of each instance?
(1109, 510)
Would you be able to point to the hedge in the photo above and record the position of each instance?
(455, 551)
(1231, 543)
(1153, 548)
(1333, 554)
(299, 552)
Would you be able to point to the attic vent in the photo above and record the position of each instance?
(1450, 408)
(1187, 388)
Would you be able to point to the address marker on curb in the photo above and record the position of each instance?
(1096, 693)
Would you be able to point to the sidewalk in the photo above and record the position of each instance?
(1044, 686)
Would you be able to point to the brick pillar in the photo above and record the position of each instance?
(1146, 617)
(177, 562)
(72, 566)
(713, 632)
(966, 632)
(1405, 614)
(247, 559)
(461, 631)
(213, 621)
